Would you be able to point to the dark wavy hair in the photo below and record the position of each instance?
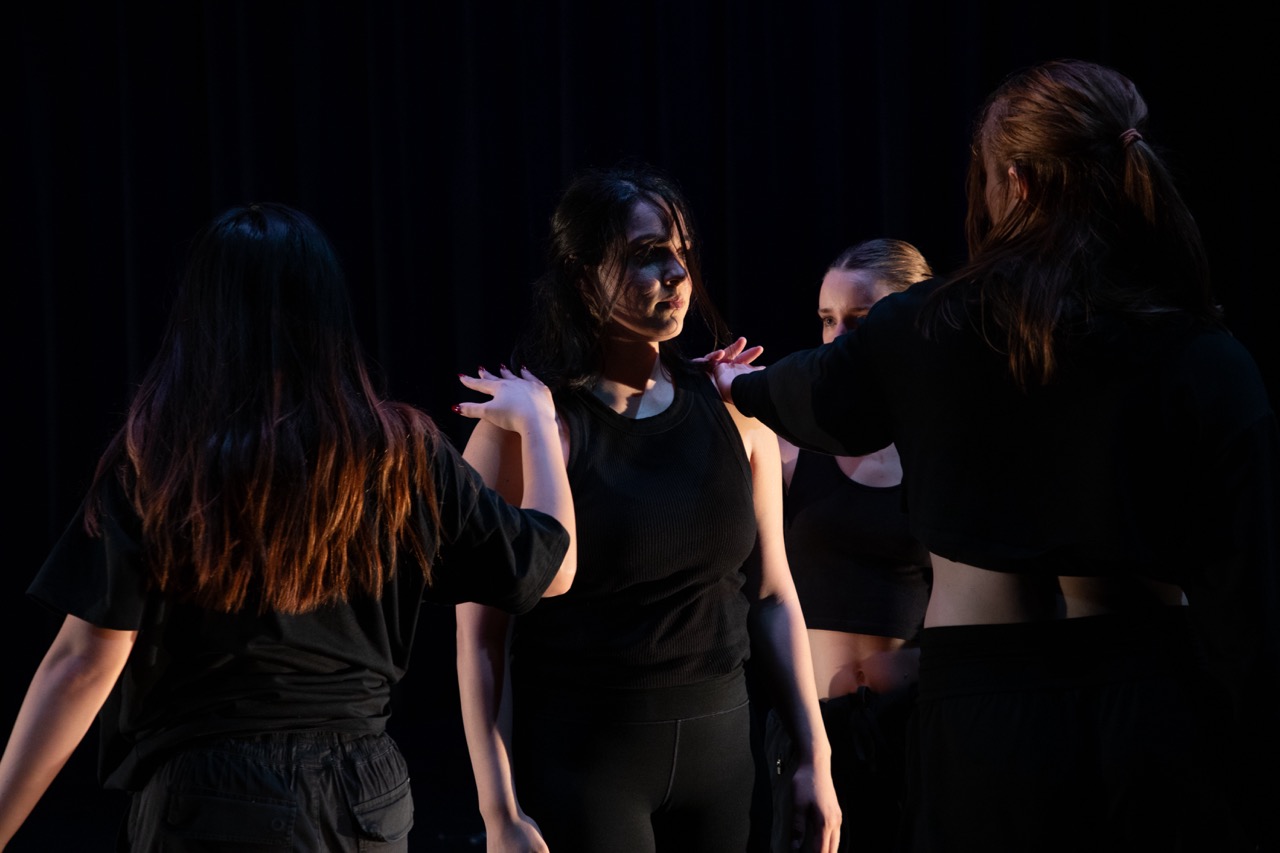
(266, 470)
(571, 308)
(1101, 225)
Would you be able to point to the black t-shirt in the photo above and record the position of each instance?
(194, 673)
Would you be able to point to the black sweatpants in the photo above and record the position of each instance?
(1057, 737)
(321, 791)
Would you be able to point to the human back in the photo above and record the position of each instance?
(242, 585)
(1069, 405)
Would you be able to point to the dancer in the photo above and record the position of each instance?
(863, 583)
(1080, 437)
(620, 720)
(244, 579)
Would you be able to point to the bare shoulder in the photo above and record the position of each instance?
(756, 437)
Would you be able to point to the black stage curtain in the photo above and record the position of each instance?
(431, 139)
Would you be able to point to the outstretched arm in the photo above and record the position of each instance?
(66, 693)
(778, 632)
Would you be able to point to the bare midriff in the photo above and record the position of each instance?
(843, 662)
(967, 595)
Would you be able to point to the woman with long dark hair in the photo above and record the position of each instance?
(243, 582)
(619, 720)
(1083, 445)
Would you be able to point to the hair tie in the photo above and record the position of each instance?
(1129, 137)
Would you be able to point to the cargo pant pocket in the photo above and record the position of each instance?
(204, 820)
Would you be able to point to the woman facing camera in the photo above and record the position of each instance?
(863, 582)
(618, 719)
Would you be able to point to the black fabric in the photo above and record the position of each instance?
(665, 522)
(195, 674)
(607, 786)
(318, 791)
(855, 565)
(1154, 452)
(868, 734)
(1066, 735)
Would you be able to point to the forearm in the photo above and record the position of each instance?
(483, 688)
(824, 399)
(65, 695)
(546, 488)
(783, 645)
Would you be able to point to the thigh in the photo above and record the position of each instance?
(781, 767)
(593, 788)
(709, 805)
(1157, 786)
(1001, 772)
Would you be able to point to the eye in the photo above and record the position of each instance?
(643, 255)
(827, 321)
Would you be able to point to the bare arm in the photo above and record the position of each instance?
(518, 443)
(484, 682)
(66, 693)
(778, 630)
(789, 454)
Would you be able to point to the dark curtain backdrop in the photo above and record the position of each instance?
(431, 139)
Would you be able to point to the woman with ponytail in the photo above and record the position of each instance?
(1093, 463)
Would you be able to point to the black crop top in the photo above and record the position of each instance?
(665, 522)
(856, 567)
(1154, 452)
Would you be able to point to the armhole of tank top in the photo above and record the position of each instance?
(733, 434)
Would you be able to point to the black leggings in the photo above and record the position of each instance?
(631, 787)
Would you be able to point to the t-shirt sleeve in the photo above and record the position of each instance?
(100, 579)
(826, 399)
(491, 552)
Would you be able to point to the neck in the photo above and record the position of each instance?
(632, 380)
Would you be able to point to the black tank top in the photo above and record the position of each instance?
(856, 567)
(665, 521)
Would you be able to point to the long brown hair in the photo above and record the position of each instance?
(266, 471)
(1099, 224)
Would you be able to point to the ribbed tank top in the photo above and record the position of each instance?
(665, 521)
(855, 565)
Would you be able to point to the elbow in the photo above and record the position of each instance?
(563, 580)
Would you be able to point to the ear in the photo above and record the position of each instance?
(1016, 181)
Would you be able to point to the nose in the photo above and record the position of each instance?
(674, 274)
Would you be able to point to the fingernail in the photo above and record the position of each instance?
(457, 408)
(503, 367)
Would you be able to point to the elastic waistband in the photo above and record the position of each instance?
(301, 747)
(633, 705)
